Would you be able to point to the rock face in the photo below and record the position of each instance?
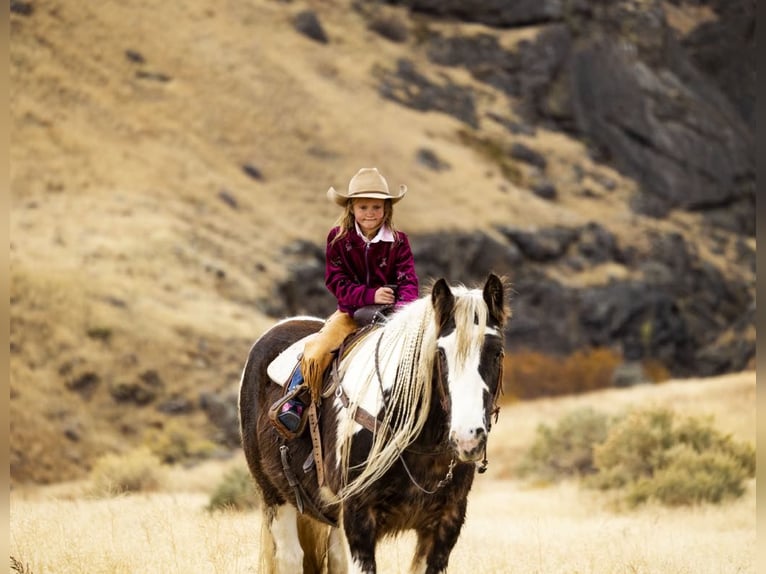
(678, 117)
(674, 114)
(676, 310)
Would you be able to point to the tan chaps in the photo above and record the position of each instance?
(317, 353)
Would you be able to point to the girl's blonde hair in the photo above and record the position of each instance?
(346, 219)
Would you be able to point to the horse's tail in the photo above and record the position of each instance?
(267, 555)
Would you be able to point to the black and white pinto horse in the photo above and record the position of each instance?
(403, 422)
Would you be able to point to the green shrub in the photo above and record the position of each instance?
(236, 491)
(644, 455)
(632, 448)
(175, 442)
(654, 457)
(567, 449)
(690, 477)
(136, 471)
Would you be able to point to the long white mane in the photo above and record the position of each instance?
(399, 359)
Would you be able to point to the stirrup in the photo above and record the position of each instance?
(300, 394)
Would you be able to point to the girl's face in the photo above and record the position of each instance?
(369, 214)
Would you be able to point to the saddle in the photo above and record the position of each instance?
(282, 369)
(372, 314)
(366, 321)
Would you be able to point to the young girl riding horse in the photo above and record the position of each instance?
(368, 261)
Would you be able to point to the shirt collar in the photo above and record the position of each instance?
(383, 234)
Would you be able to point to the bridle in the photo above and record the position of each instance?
(372, 423)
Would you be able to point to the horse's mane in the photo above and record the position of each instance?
(400, 357)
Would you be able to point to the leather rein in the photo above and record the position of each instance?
(372, 423)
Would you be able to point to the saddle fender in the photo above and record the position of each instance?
(280, 369)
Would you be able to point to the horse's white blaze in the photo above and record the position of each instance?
(284, 529)
(467, 423)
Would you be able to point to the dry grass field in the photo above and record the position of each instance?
(512, 527)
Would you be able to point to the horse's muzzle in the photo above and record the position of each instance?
(469, 445)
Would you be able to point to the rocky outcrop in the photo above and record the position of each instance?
(724, 49)
(675, 116)
(674, 307)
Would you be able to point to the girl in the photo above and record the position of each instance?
(368, 261)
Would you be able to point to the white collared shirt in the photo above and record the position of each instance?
(383, 234)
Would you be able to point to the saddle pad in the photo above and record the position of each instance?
(282, 366)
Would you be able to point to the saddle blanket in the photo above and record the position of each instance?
(280, 369)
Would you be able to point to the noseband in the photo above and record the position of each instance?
(371, 422)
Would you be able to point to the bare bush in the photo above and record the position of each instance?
(136, 471)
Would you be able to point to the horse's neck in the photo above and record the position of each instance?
(381, 370)
(361, 370)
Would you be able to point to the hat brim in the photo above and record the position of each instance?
(341, 198)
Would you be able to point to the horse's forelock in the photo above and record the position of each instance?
(471, 315)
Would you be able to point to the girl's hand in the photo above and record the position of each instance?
(385, 296)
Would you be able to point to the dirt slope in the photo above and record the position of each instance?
(140, 244)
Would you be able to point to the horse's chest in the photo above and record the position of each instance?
(404, 504)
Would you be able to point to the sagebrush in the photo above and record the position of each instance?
(566, 450)
(236, 491)
(138, 470)
(654, 454)
(646, 455)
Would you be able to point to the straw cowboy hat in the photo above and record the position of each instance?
(366, 183)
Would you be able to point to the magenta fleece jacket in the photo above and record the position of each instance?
(355, 269)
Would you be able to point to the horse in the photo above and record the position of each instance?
(402, 427)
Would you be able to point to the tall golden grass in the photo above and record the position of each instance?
(512, 527)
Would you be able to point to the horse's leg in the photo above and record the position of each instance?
(359, 539)
(315, 541)
(433, 550)
(337, 562)
(267, 559)
(283, 525)
(435, 542)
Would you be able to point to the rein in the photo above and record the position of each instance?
(371, 422)
(445, 405)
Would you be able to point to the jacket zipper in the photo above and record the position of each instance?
(367, 263)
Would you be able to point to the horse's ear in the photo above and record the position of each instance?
(443, 301)
(494, 297)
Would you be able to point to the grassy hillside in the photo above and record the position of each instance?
(512, 527)
(164, 155)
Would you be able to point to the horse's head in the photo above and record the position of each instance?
(470, 347)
